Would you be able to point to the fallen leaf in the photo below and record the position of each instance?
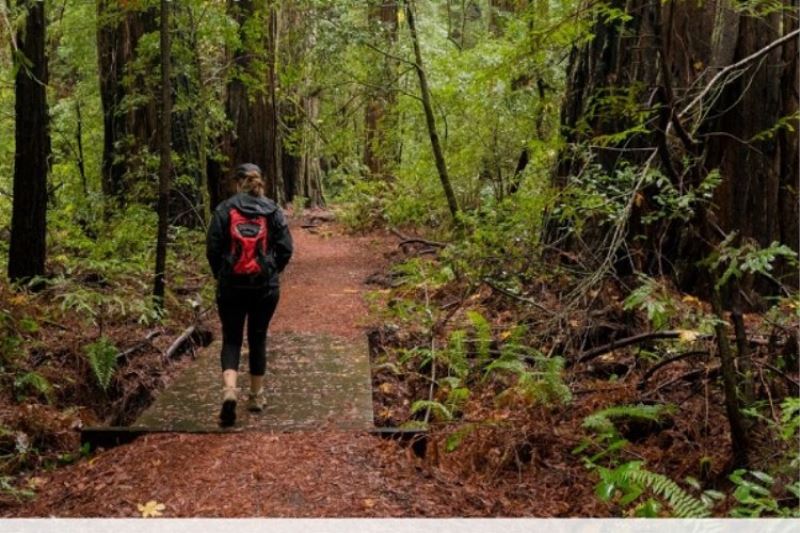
(36, 482)
(690, 300)
(386, 388)
(369, 503)
(151, 509)
(687, 335)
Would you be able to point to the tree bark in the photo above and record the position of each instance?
(165, 167)
(251, 100)
(126, 130)
(28, 248)
(377, 149)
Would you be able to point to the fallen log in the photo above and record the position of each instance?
(416, 240)
(636, 339)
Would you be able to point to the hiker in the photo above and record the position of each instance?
(248, 246)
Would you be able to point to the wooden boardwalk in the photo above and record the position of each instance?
(313, 381)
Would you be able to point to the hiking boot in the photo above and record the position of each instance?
(227, 415)
(256, 401)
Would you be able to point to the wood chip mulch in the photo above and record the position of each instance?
(249, 475)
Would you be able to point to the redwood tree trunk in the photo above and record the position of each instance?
(165, 167)
(125, 131)
(28, 249)
(250, 101)
(377, 149)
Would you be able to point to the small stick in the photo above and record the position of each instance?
(666, 362)
(597, 352)
(416, 240)
(170, 353)
(517, 297)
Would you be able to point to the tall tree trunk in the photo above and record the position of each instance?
(250, 100)
(165, 167)
(126, 131)
(438, 155)
(79, 144)
(274, 168)
(377, 149)
(28, 248)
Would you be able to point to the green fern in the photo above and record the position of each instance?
(483, 334)
(602, 421)
(544, 383)
(683, 504)
(539, 378)
(632, 480)
(36, 382)
(456, 353)
(439, 410)
(102, 356)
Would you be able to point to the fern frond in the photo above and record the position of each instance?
(602, 421)
(483, 334)
(683, 504)
(102, 356)
(437, 408)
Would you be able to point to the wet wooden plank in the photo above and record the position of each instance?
(313, 381)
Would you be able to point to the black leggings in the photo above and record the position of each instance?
(258, 306)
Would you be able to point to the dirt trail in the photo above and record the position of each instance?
(321, 289)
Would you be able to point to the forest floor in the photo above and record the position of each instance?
(322, 473)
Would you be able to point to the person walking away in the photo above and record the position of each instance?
(248, 245)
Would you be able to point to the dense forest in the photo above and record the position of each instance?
(597, 203)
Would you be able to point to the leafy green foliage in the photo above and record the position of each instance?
(755, 498)
(33, 382)
(10, 340)
(539, 378)
(7, 487)
(483, 335)
(653, 300)
(102, 357)
(734, 262)
(438, 409)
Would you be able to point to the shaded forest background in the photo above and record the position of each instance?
(588, 192)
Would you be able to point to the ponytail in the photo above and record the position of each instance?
(250, 179)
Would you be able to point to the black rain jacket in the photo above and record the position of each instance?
(218, 240)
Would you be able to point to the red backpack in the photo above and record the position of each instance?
(248, 237)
